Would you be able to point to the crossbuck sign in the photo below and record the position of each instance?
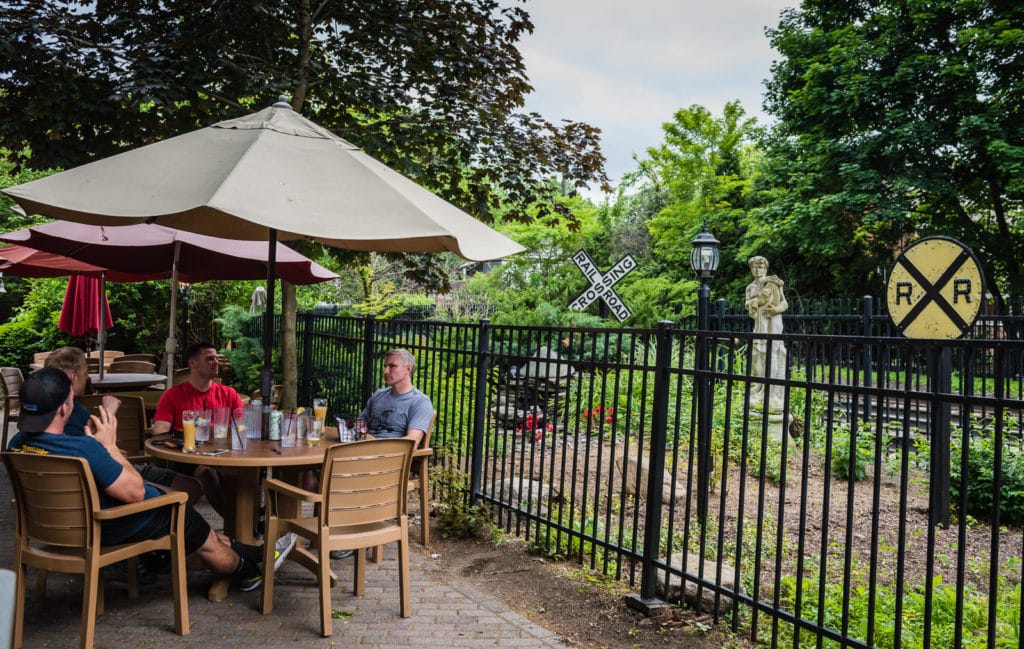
(601, 285)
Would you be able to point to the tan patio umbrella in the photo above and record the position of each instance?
(269, 175)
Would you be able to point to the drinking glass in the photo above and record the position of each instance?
(314, 433)
(221, 419)
(320, 409)
(289, 429)
(303, 422)
(188, 428)
(359, 426)
(203, 426)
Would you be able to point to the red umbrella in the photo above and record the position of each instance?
(86, 311)
(29, 262)
(157, 251)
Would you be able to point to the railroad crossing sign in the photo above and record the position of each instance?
(935, 289)
(601, 284)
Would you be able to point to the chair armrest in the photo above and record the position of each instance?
(273, 484)
(172, 498)
(423, 452)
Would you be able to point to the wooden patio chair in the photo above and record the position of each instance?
(149, 358)
(275, 402)
(131, 367)
(39, 360)
(107, 353)
(362, 504)
(12, 380)
(420, 481)
(109, 356)
(58, 529)
(132, 423)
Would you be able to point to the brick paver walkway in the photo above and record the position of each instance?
(447, 612)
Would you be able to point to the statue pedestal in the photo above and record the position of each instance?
(776, 423)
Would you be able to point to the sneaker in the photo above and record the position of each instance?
(247, 584)
(283, 548)
(249, 575)
(340, 554)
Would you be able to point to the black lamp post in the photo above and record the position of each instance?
(704, 262)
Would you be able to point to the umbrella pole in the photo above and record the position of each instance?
(171, 344)
(267, 377)
(102, 335)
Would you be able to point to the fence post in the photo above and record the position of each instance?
(940, 364)
(479, 411)
(647, 602)
(306, 389)
(369, 332)
(867, 355)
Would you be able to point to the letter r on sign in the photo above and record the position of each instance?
(961, 287)
(904, 290)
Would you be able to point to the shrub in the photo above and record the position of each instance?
(979, 480)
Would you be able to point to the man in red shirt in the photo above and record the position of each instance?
(199, 392)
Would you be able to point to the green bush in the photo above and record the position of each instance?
(456, 518)
(246, 354)
(979, 480)
(18, 341)
(863, 454)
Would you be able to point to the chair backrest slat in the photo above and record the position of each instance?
(131, 421)
(131, 367)
(13, 378)
(55, 497)
(365, 482)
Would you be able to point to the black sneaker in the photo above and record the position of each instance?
(157, 562)
(246, 584)
(340, 554)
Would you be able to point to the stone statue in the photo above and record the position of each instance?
(766, 303)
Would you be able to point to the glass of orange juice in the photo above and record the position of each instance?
(188, 428)
(320, 409)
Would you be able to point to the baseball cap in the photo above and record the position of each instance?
(41, 395)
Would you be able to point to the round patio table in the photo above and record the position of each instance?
(243, 470)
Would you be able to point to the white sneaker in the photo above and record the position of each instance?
(282, 548)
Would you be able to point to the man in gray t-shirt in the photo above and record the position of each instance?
(399, 410)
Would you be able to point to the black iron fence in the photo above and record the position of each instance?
(868, 494)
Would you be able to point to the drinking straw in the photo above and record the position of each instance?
(238, 435)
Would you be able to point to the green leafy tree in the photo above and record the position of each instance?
(895, 118)
(432, 88)
(707, 168)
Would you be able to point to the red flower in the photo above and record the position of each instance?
(609, 411)
(586, 414)
(609, 420)
(597, 410)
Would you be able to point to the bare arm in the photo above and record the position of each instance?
(161, 427)
(128, 487)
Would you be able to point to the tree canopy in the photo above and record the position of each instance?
(432, 88)
(895, 119)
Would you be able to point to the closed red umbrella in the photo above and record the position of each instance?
(86, 311)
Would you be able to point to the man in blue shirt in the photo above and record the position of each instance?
(47, 404)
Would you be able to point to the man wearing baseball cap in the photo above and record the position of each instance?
(46, 404)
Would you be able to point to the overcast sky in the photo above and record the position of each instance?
(626, 66)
